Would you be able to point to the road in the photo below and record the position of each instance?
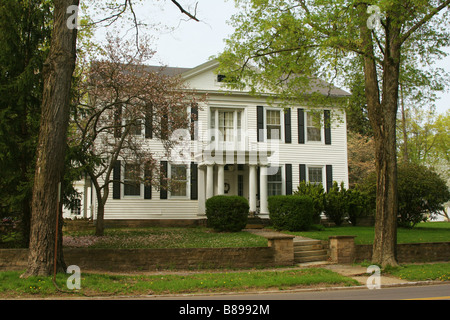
(425, 292)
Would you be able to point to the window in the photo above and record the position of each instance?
(313, 130)
(132, 184)
(315, 175)
(273, 124)
(179, 180)
(274, 183)
(135, 127)
(226, 125)
(228, 122)
(76, 209)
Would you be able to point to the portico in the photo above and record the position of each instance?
(247, 178)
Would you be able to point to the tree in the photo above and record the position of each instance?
(45, 254)
(299, 41)
(24, 40)
(121, 100)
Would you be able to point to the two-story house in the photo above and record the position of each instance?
(241, 146)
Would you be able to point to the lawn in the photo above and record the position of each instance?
(11, 285)
(422, 272)
(158, 237)
(423, 232)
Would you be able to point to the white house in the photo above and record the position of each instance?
(242, 146)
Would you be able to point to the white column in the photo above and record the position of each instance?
(220, 179)
(201, 191)
(252, 188)
(209, 181)
(263, 205)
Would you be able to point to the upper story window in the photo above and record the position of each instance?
(228, 122)
(313, 128)
(273, 124)
(135, 127)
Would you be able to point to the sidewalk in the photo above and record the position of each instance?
(358, 273)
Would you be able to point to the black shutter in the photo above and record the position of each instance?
(260, 123)
(165, 127)
(287, 126)
(116, 179)
(301, 125)
(329, 173)
(118, 121)
(194, 118)
(327, 125)
(149, 123)
(302, 168)
(163, 182)
(288, 174)
(194, 181)
(147, 185)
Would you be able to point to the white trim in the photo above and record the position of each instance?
(282, 124)
(188, 179)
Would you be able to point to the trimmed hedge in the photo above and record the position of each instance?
(227, 213)
(291, 212)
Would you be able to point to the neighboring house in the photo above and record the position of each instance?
(242, 146)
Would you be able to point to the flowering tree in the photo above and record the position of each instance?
(120, 98)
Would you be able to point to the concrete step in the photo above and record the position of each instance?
(306, 242)
(310, 247)
(309, 250)
(311, 259)
(312, 253)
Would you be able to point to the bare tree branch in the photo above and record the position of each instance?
(193, 17)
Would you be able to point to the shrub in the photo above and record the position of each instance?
(317, 194)
(357, 204)
(336, 205)
(227, 213)
(291, 212)
(420, 192)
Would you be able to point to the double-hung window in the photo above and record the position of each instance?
(179, 180)
(132, 184)
(313, 128)
(274, 183)
(228, 123)
(273, 124)
(315, 175)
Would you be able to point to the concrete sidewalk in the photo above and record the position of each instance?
(358, 273)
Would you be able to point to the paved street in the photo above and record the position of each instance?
(425, 292)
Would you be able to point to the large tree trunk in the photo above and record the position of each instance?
(382, 115)
(58, 70)
(385, 242)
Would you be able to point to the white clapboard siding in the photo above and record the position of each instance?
(204, 80)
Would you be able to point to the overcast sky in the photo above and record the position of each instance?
(192, 43)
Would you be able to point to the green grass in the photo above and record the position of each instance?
(422, 272)
(11, 285)
(156, 237)
(423, 232)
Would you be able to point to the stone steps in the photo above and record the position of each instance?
(309, 251)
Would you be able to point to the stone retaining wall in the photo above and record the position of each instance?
(343, 249)
(279, 252)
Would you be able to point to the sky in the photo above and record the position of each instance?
(192, 43)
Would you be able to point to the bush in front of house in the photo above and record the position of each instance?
(317, 194)
(336, 205)
(227, 213)
(291, 212)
